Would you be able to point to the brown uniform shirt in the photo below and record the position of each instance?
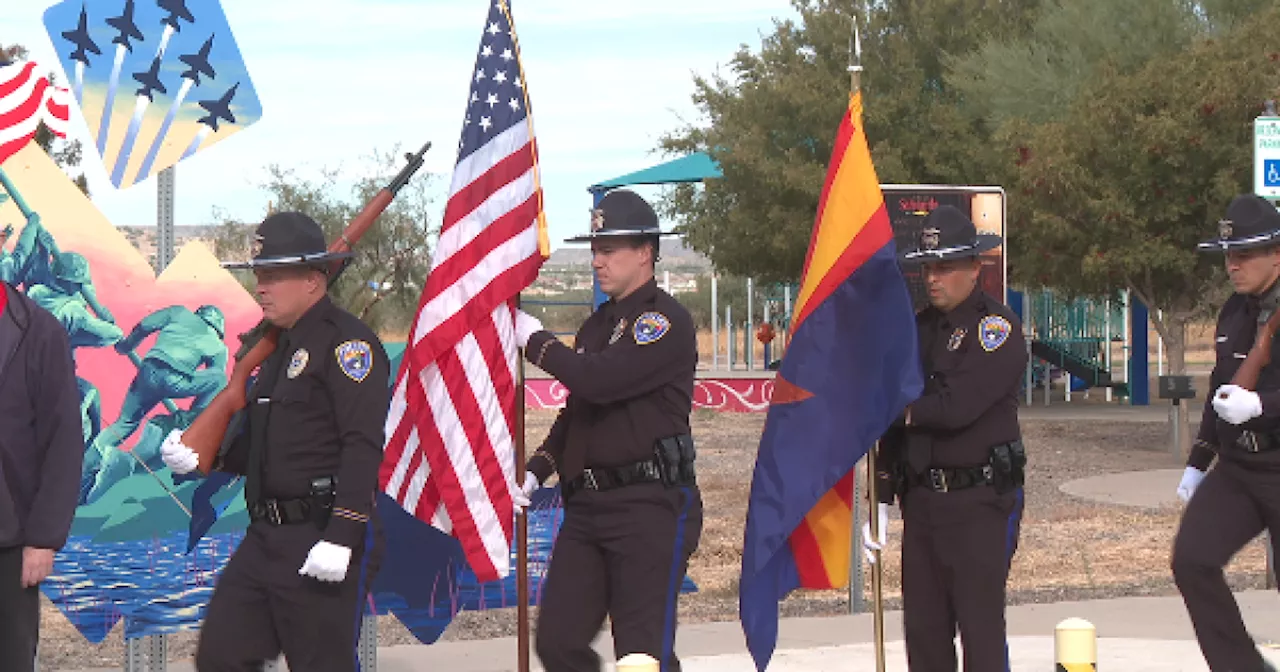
(1236, 331)
(324, 395)
(630, 379)
(973, 359)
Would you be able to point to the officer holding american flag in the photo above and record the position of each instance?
(623, 452)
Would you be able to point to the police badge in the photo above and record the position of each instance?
(297, 363)
(1224, 228)
(957, 337)
(618, 331)
(597, 220)
(929, 239)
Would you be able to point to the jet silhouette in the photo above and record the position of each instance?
(150, 80)
(80, 38)
(124, 23)
(177, 10)
(220, 108)
(199, 63)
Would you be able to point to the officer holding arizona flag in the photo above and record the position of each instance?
(955, 459)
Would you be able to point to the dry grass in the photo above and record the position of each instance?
(1070, 549)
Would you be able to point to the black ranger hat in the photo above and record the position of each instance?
(1251, 222)
(288, 239)
(622, 213)
(948, 234)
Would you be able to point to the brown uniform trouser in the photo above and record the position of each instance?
(261, 606)
(956, 550)
(1232, 505)
(621, 552)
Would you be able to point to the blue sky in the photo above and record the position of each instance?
(339, 78)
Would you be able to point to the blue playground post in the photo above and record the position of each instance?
(1139, 369)
(597, 297)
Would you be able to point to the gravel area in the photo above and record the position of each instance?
(1070, 549)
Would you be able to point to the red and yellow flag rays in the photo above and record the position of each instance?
(853, 223)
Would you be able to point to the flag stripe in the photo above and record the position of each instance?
(843, 214)
(26, 100)
(869, 240)
(824, 562)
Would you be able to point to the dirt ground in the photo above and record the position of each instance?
(1070, 549)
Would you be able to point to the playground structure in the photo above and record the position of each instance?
(1080, 344)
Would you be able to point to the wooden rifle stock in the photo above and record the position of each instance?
(208, 431)
(1259, 356)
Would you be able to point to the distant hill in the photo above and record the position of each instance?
(674, 254)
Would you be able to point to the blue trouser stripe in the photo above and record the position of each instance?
(364, 565)
(674, 583)
(1010, 545)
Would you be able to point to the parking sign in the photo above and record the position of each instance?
(1266, 157)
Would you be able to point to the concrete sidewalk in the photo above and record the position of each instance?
(1136, 634)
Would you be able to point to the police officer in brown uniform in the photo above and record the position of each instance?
(623, 452)
(310, 452)
(1240, 496)
(955, 460)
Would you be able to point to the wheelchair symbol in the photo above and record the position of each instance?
(1271, 173)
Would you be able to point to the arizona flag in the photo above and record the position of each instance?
(850, 369)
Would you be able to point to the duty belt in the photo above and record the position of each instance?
(286, 511)
(1257, 442)
(608, 478)
(946, 479)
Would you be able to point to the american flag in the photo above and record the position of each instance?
(450, 453)
(26, 99)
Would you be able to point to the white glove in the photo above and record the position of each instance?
(869, 545)
(1191, 478)
(327, 562)
(522, 497)
(1239, 406)
(526, 326)
(179, 458)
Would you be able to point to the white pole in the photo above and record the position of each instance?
(748, 351)
(715, 324)
(1128, 352)
(728, 326)
(1159, 347)
(666, 281)
(1028, 321)
(1106, 337)
(786, 301)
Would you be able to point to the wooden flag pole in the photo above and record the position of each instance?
(522, 527)
(873, 500)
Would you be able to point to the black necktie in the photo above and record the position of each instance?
(258, 412)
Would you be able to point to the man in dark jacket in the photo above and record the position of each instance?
(40, 449)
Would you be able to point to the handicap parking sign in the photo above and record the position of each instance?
(1271, 173)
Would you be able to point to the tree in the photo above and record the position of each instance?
(1118, 191)
(383, 283)
(66, 154)
(1035, 76)
(771, 123)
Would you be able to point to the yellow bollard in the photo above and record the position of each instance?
(1075, 646)
(637, 662)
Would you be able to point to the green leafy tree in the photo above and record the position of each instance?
(66, 154)
(1118, 191)
(383, 283)
(771, 122)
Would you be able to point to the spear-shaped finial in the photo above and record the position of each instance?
(855, 58)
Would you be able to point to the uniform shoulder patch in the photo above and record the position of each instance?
(355, 358)
(993, 331)
(650, 327)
